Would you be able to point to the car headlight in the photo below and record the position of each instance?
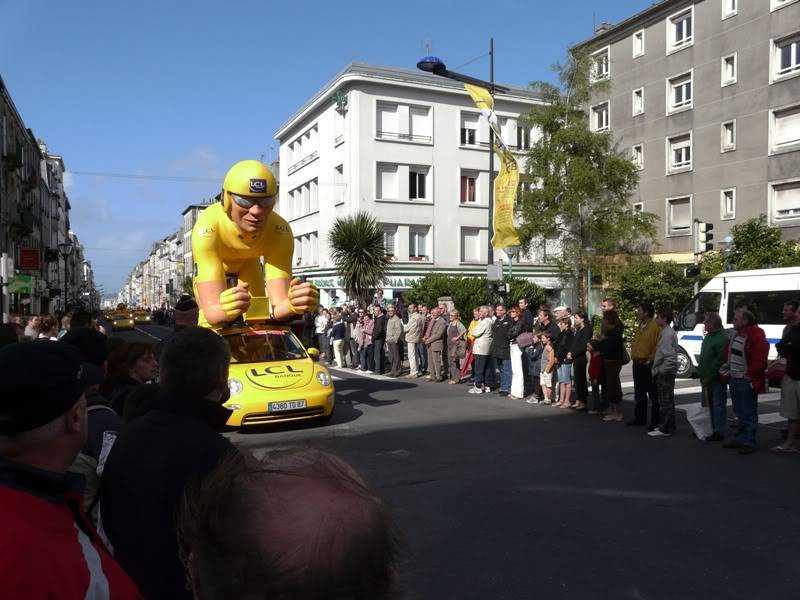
(235, 386)
(323, 378)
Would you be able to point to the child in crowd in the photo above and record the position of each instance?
(534, 354)
(548, 364)
(595, 376)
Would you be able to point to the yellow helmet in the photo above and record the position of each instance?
(249, 179)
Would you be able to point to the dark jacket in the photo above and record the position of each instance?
(534, 354)
(552, 328)
(338, 330)
(379, 329)
(501, 338)
(564, 346)
(527, 318)
(580, 338)
(43, 520)
(612, 344)
(517, 327)
(154, 460)
(789, 348)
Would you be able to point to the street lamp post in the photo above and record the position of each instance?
(433, 64)
(511, 251)
(65, 248)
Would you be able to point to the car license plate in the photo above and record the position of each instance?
(287, 405)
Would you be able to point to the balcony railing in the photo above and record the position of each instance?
(406, 137)
(303, 162)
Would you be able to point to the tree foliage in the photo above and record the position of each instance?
(469, 292)
(359, 254)
(581, 182)
(755, 245)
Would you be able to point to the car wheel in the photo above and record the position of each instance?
(685, 367)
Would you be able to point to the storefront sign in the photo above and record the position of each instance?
(29, 259)
(20, 284)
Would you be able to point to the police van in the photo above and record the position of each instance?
(763, 291)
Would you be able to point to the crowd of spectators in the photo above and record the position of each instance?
(114, 466)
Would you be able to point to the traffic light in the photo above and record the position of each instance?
(693, 271)
(705, 237)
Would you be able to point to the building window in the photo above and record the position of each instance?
(387, 182)
(728, 136)
(469, 180)
(470, 244)
(387, 121)
(638, 207)
(523, 138)
(727, 200)
(679, 216)
(786, 57)
(638, 101)
(419, 124)
(416, 182)
(637, 155)
(601, 64)
(600, 117)
(679, 92)
(469, 129)
(728, 70)
(679, 153)
(389, 236)
(729, 8)
(776, 4)
(638, 44)
(785, 202)
(680, 30)
(785, 130)
(338, 184)
(418, 243)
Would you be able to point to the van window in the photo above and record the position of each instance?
(766, 306)
(694, 312)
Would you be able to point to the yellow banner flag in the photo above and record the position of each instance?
(507, 180)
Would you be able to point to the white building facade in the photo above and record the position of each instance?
(412, 150)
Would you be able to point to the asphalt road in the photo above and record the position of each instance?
(498, 499)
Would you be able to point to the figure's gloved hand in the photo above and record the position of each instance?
(234, 301)
(303, 296)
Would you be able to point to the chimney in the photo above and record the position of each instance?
(603, 27)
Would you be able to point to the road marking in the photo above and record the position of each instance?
(769, 418)
(150, 334)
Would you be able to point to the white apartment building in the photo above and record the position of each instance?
(411, 149)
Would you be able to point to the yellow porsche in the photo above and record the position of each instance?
(273, 379)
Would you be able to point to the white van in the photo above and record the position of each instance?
(764, 291)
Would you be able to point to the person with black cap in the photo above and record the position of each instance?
(159, 456)
(185, 314)
(43, 425)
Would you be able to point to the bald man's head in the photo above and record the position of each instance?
(299, 524)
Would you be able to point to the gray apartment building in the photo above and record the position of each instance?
(705, 96)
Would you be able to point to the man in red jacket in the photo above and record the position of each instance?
(747, 363)
(48, 548)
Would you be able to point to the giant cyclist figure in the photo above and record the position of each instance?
(228, 242)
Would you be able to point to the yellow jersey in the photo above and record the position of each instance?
(219, 247)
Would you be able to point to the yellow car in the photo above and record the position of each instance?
(120, 321)
(273, 379)
(141, 316)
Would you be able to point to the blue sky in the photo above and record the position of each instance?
(188, 88)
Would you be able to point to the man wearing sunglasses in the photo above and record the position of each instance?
(232, 236)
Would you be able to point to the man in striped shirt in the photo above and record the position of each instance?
(747, 363)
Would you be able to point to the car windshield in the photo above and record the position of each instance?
(261, 346)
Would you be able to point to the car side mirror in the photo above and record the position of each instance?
(313, 354)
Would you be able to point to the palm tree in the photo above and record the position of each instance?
(359, 254)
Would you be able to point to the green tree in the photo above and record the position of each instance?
(469, 292)
(755, 245)
(662, 283)
(581, 183)
(359, 254)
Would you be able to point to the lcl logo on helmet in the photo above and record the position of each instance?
(258, 186)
